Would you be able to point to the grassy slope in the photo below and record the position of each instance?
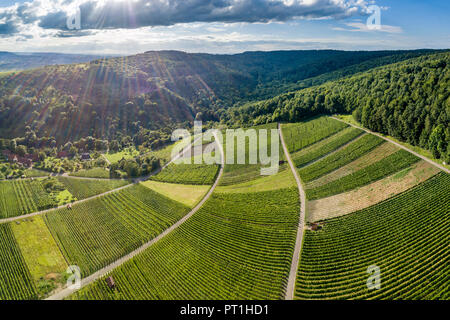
(188, 195)
(39, 249)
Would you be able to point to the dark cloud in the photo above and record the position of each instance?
(144, 13)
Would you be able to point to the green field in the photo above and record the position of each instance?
(19, 197)
(127, 153)
(188, 195)
(200, 174)
(16, 282)
(394, 163)
(92, 173)
(406, 237)
(238, 246)
(97, 232)
(41, 254)
(300, 135)
(83, 188)
(284, 179)
(340, 158)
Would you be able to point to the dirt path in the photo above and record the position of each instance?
(106, 159)
(95, 276)
(135, 181)
(397, 144)
(301, 225)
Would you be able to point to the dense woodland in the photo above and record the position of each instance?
(117, 97)
(409, 101)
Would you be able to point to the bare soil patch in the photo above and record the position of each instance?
(371, 194)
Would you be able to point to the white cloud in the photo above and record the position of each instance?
(362, 27)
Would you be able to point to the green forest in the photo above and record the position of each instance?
(116, 97)
(409, 100)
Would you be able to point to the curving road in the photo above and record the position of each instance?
(301, 224)
(97, 275)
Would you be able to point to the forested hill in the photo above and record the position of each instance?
(110, 97)
(409, 100)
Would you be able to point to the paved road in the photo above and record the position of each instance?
(397, 144)
(97, 275)
(135, 181)
(301, 224)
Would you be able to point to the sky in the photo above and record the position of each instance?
(221, 26)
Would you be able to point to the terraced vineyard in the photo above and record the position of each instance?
(387, 166)
(324, 147)
(200, 174)
(238, 246)
(406, 237)
(19, 197)
(82, 188)
(301, 135)
(342, 157)
(95, 233)
(15, 280)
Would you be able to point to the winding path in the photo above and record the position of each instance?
(397, 144)
(100, 273)
(301, 224)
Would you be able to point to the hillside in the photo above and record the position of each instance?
(409, 100)
(109, 97)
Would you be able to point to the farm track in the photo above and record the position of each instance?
(135, 181)
(397, 144)
(97, 275)
(301, 225)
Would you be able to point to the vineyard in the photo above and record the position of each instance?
(241, 173)
(83, 188)
(406, 237)
(340, 158)
(19, 197)
(97, 232)
(324, 147)
(92, 173)
(238, 246)
(199, 174)
(301, 135)
(378, 170)
(15, 280)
